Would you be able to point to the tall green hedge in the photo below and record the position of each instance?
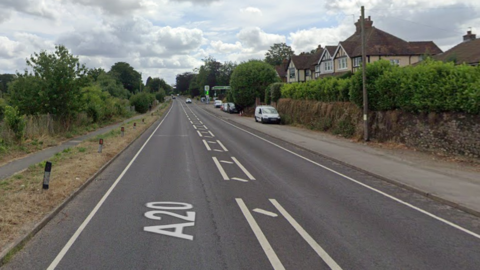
(428, 86)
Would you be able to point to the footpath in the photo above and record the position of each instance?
(23, 163)
(452, 183)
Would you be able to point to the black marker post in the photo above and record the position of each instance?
(46, 176)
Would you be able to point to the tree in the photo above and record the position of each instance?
(277, 53)
(113, 87)
(183, 81)
(5, 79)
(53, 87)
(127, 75)
(249, 81)
(94, 73)
(225, 72)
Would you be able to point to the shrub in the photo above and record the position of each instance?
(142, 101)
(15, 122)
(268, 94)
(276, 92)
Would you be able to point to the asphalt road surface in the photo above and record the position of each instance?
(197, 192)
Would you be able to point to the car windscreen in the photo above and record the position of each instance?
(231, 105)
(269, 110)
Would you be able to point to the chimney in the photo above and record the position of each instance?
(469, 36)
(368, 24)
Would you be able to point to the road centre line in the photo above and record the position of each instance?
(220, 168)
(223, 146)
(80, 229)
(362, 184)
(313, 244)
(267, 248)
(243, 169)
(206, 145)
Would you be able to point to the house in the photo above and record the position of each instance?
(281, 70)
(301, 67)
(467, 52)
(325, 63)
(379, 45)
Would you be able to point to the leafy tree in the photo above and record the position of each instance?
(183, 81)
(225, 72)
(108, 84)
(127, 75)
(149, 79)
(15, 121)
(277, 53)
(94, 73)
(142, 101)
(194, 88)
(249, 81)
(5, 79)
(53, 86)
(156, 84)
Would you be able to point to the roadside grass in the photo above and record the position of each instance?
(23, 202)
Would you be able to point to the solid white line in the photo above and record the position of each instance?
(265, 212)
(318, 249)
(220, 168)
(223, 146)
(206, 145)
(212, 142)
(74, 237)
(362, 184)
(267, 248)
(200, 134)
(243, 169)
(240, 179)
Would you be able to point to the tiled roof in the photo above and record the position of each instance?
(281, 70)
(331, 49)
(466, 52)
(301, 61)
(379, 42)
(314, 59)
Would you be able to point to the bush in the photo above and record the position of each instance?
(276, 92)
(330, 89)
(15, 122)
(249, 80)
(160, 95)
(142, 101)
(268, 94)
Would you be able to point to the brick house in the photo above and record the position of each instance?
(467, 52)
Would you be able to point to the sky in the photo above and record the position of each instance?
(163, 38)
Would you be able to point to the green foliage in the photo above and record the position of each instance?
(156, 84)
(127, 75)
(53, 87)
(268, 95)
(329, 89)
(277, 53)
(15, 122)
(276, 91)
(142, 101)
(160, 95)
(112, 86)
(249, 81)
(5, 79)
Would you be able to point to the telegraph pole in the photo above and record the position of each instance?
(364, 79)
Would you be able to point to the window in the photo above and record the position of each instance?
(395, 62)
(342, 63)
(357, 61)
(307, 73)
(317, 69)
(328, 65)
(292, 73)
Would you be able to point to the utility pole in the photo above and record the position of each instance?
(364, 79)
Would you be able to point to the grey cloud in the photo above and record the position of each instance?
(201, 2)
(31, 7)
(257, 39)
(117, 7)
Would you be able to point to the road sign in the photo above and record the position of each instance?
(207, 88)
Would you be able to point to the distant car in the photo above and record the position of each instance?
(188, 100)
(217, 103)
(229, 107)
(267, 114)
(173, 97)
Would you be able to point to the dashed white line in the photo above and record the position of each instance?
(199, 134)
(194, 127)
(318, 249)
(267, 248)
(211, 133)
(206, 145)
(220, 168)
(243, 169)
(225, 161)
(239, 179)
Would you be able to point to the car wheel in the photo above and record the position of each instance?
(255, 119)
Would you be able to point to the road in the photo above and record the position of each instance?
(197, 192)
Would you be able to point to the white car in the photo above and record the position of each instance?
(217, 103)
(188, 100)
(267, 114)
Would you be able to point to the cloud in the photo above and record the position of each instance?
(31, 7)
(9, 48)
(252, 11)
(222, 47)
(200, 2)
(309, 39)
(256, 38)
(117, 7)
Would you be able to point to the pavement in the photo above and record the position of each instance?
(20, 164)
(455, 184)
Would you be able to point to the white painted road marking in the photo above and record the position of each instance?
(220, 168)
(243, 169)
(265, 212)
(318, 249)
(206, 145)
(267, 248)
(239, 179)
(80, 229)
(223, 146)
(225, 161)
(362, 184)
(199, 134)
(194, 127)
(177, 228)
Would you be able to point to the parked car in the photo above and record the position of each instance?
(217, 103)
(173, 97)
(267, 114)
(229, 107)
(188, 100)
